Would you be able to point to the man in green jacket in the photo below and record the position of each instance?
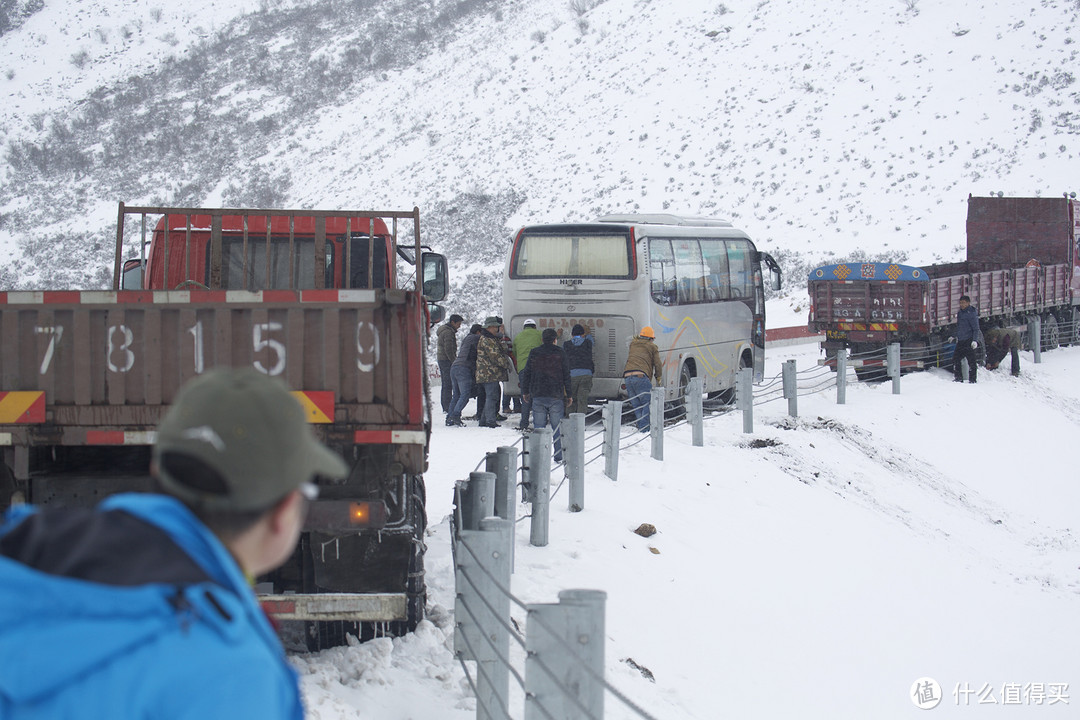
(999, 343)
(524, 343)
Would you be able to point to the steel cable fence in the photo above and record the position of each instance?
(478, 615)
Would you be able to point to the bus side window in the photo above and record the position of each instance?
(661, 272)
(690, 270)
(717, 283)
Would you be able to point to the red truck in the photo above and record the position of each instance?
(310, 296)
(1023, 260)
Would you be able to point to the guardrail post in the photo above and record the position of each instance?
(503, 462)
(559, 640)
(656, 421)
(744, 397)
(695, 412)
(540, 478)
(1035, 336)
(573, 439)
(612, 416)
(482, 612)
(477, 499)
(892, 360)
(791, 388)
(841, 376)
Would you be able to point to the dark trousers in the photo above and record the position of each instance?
(526, 407)
(481, 398)
(462, 377)
(447, 385)
(640, 391)
(490, 409)
(964, 350)
(1015, 361)
(580, 387)
(548, 412)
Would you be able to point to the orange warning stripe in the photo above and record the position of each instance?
(19, 407)
(318, 405)
(866, 326)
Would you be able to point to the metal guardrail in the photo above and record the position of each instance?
(563, 674)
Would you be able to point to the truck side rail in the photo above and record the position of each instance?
(1000, 292)
(217, 214)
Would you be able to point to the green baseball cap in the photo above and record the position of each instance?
(236, 439)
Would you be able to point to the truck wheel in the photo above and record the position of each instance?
(416, 583)
(7, 486)
(1051, 336)
(1070, 327)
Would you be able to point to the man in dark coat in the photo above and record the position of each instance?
(462, 374)
(446, 354)
(967, 340)
(545, 382)
(999, 343)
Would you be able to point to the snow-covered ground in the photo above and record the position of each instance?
(858, 549)
(864, 546)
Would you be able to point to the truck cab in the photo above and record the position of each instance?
(278, 250)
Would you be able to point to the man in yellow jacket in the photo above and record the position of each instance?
(642, 364)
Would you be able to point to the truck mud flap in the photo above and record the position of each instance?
(364, 563)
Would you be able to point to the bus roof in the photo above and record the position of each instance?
(665, 219)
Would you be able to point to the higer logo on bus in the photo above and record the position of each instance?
(570, 281)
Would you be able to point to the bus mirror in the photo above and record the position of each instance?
(435, 277)
(436, 314)
(132, 277)
(774, 271)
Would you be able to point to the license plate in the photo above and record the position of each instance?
(835, 335)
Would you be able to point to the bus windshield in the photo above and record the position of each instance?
(600, 254)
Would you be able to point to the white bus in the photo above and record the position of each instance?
(696, 281)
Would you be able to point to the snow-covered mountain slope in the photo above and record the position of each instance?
(821, 129)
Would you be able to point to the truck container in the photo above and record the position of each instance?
(310, 296)
(1023, 260)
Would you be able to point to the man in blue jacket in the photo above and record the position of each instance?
(968, 336)
(143, 607)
